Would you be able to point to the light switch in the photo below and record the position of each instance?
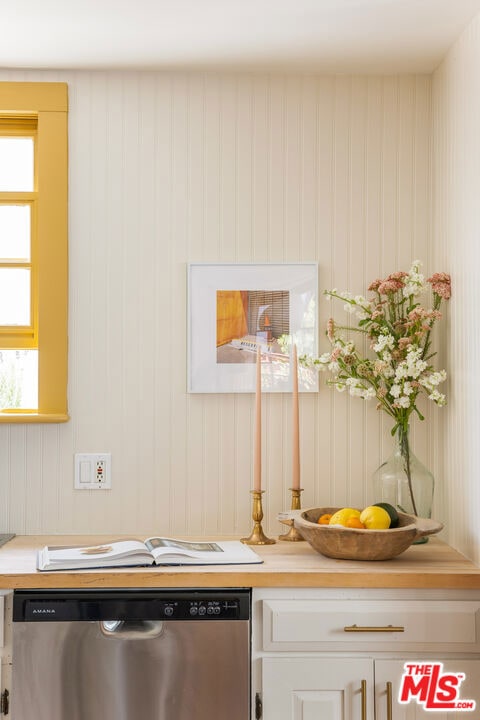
(86, 471)
(93, 471)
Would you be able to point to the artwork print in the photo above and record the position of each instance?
(247, 319)
(234, 310)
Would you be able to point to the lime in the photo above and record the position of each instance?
(391, 511)
(375, 518)
(341, 516)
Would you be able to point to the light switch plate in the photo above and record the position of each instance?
(93, 471)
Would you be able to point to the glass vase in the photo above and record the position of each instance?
(404, 482)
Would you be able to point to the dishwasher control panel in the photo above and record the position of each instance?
(79, 605)
(205, 608)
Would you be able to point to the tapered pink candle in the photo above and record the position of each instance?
(295, 424)
(257, 462)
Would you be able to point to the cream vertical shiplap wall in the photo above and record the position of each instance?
(168, 168)
(456, 102)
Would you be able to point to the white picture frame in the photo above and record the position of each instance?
(290, 290)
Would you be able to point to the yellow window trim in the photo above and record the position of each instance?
(31, 98)
(11, 415)
(47, 103)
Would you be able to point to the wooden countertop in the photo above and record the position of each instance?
(432, 565)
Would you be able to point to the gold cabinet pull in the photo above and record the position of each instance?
(364, 699)
(373, 628)
(389, 701)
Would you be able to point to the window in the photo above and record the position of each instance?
(33, 252)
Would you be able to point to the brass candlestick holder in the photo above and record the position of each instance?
(257, 536)
(293, 535)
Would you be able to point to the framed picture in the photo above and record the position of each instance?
(233, 309)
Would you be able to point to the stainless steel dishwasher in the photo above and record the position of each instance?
(131, 655)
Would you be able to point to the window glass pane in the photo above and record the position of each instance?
(15, 232)
(14, 296)
(19, 379)
(16, 164)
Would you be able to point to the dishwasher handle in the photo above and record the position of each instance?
(131, 629)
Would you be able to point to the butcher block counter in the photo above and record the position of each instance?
(432, 565)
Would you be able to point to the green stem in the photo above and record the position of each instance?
(437, 301)
(351, 329)
(405, 452)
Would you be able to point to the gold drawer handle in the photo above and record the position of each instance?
(364, 699)
(373, 628)
(389, 701)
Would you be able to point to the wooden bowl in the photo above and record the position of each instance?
(358, 544)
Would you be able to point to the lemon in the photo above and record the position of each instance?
(391, 511)
(341, 516)
(375, 518)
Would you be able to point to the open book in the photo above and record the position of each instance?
(153, 551)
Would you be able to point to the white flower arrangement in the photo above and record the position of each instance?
(399, 330)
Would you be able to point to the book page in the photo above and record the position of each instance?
(169, 551)
(98, 554)
(160, 546)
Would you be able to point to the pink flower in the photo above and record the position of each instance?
(421, 321)
(392, 282)
(390, 286)
(331, 329)
(441, 285)
(378, 313)
(420, 313)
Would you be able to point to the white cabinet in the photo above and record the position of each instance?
(370, 624)
(312, 688)
(341, 654)
(302, 688)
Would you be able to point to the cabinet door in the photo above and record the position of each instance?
(388, 679)
(301, 688)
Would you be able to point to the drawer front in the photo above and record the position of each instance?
(383, 625)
